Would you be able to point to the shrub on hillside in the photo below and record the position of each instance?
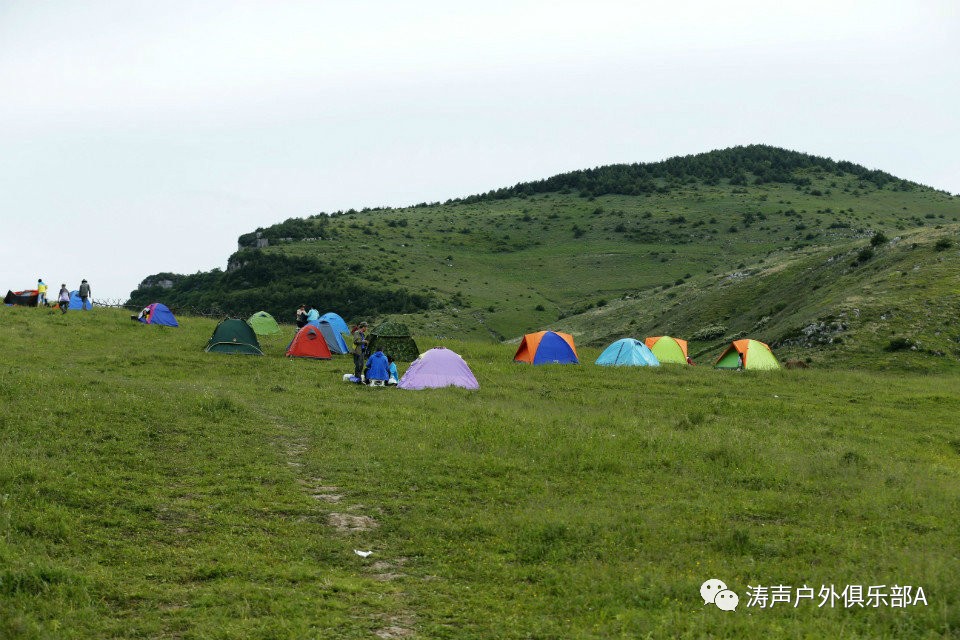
(899, 344)
(864, 254)
(709, 333)
(943, 244)
(878, 239)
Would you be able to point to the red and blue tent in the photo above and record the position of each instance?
(159, 314)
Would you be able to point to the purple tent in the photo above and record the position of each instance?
(438, 367)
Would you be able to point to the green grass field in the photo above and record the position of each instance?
(150, 490)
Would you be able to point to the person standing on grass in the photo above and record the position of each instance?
(312, 314)
(41, 293)
(359, 336)
(63, 299)
(302, 316)
(84, 294)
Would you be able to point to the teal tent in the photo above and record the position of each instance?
(630, 352)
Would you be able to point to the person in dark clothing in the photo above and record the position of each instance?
(302, 316)
(85, 295)
(359, 336)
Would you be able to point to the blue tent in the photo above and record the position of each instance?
(76, 302)
(332, 326)
(159, 314)
(339, 324)
(628, 351)
(331, 336)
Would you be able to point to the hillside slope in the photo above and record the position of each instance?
(637, 242)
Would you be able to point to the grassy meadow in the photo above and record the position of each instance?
(151, 490)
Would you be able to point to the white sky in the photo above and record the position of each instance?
(139, 137)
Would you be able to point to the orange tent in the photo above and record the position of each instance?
(309, 343)
(547, 347)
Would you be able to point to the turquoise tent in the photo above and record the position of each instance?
(630, 352)
(339, 324)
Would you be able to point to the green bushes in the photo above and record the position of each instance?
(709, 333)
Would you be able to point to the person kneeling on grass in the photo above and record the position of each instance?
(378, 368)
(392, 370)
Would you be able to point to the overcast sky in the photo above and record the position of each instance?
(140, 137)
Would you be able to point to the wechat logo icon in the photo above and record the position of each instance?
(715, 591)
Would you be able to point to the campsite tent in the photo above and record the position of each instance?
(339, 324)
(76, 302)
(395, 341)
(436, 368)
(333, 338)
(26, 298)
(333, 327)
(756, 355)
(263, 324)
(159, 314)
(628, 351)
(233, 335)
(668, 349)
(547, 347)
(309, 343)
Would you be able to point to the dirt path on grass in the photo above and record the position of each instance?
(347, 519)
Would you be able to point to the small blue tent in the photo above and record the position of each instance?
(159, 314)
(339, 324)
(332, 326)
(628, 351)
(76, 302)
(331, 336)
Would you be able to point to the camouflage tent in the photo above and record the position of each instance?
(395, 341)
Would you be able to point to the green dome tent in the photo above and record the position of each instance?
(395, 341)
(263, 324)
(234, 335)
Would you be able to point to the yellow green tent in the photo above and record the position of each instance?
(748, 354)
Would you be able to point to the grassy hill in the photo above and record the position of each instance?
(150, 490)
(751, 239)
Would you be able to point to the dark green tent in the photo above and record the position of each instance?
(395, 341)
(234, 335)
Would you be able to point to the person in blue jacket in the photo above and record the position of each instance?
(392, 370)
(378, 368)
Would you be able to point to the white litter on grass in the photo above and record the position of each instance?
(362, 554)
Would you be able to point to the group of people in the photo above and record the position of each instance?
(367, 368)
(63, 297)
(306, 314)
(378, 368)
